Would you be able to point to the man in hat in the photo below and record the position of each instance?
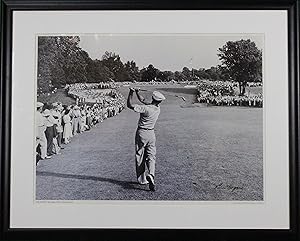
(40, 132)
(60, 129)
(49, 131)
(145, 149)
(56, 120)
(76, 114)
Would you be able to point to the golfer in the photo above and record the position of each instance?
(145, 149)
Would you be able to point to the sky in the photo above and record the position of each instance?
(165, 52)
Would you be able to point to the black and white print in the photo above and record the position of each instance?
(184, 110)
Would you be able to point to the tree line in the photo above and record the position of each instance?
(62, 61)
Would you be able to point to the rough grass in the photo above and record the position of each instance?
(203, 153)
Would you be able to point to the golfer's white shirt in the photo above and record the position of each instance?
(148, 115)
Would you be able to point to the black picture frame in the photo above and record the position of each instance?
(7, 9)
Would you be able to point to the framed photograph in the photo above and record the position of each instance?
(150, 120)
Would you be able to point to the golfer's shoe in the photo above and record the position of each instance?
(144, 183)
(150, 179)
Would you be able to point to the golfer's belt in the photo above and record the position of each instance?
(148, 129)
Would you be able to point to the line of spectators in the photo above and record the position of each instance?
(216, 88)
(91, 92)
(57, 123)
(83, 86)
(249, 101)
(222, 94)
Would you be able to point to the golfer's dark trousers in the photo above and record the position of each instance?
(49, 136)
(59, 138)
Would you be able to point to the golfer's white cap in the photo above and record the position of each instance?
(39, 104)
(158, 96)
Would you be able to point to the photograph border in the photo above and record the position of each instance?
(7, 9)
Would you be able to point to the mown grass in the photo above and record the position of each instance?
(203, 153)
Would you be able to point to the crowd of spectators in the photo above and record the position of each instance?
(57, 124)
(227, 100)
(216, 88)
(222, 93)
(151, 83)
(90, 92)
(83, 86)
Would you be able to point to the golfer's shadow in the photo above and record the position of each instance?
(123, 184)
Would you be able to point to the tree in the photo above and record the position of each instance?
(165, 76)
(113, 62)
(149, 73)
(243, 62)
(223, 72)
(132, 71)
(97, 72)
(60, 61)
(179, 76)
(213, 73)
(187, 73)
(202, 74)
(48, 66)
(72, 59)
